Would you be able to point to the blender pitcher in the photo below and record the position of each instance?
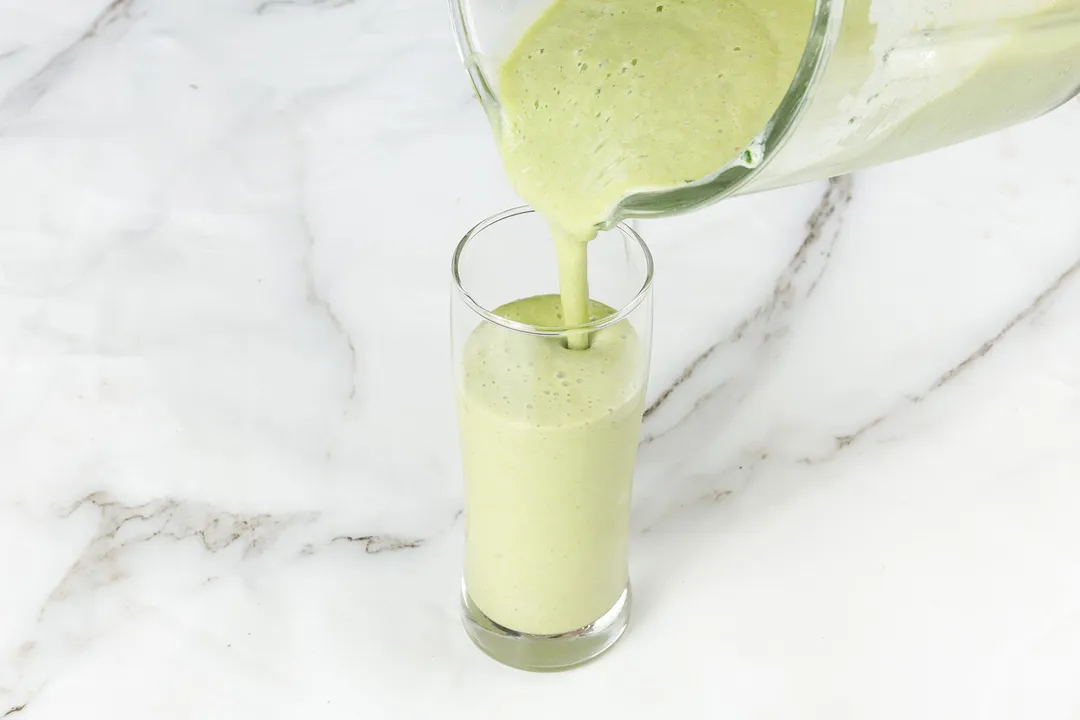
(879, 80)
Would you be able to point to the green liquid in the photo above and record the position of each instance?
(549, 436)
(600, 99)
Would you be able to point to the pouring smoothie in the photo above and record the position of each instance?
(600, 99)
(607, 109)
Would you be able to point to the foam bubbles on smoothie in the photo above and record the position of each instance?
(540, 382)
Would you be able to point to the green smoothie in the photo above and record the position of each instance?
(600, 99)
(603, 98)
(548, 436)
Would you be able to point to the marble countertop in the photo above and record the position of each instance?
(229, 482)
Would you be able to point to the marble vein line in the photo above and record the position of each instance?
(315, 298)
(121, 526)
(981, 351)
(1037, 304)
(770, 320)
(780, 297)
(15, 709)
(27, 93)
(374, 544)
(311, 287)
(269, 5)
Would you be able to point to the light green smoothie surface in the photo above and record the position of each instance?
(549, 435)
(602, 98)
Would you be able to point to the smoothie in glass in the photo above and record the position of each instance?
(549, 416)
(549, 436)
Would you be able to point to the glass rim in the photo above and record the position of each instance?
(544, 330)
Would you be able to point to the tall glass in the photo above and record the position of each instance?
(549, 436)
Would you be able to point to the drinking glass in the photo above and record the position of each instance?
(549, 436)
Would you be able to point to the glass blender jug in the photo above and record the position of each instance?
(879, 80)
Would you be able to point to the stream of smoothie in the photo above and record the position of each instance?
(600, 99)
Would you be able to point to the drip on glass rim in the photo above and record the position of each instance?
(591, 326)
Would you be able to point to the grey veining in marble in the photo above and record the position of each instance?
(230, 482)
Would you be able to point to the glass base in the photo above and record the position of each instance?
(544, 653)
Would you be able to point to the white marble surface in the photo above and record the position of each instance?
(228, 470)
